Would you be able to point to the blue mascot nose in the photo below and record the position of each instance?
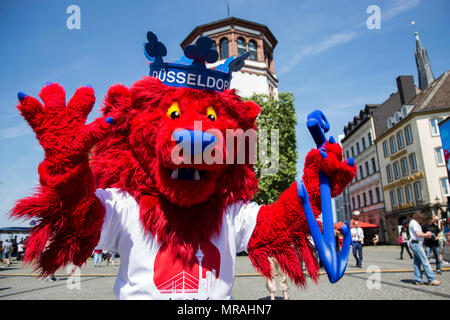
(194, 141)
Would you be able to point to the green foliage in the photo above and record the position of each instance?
(277, 114)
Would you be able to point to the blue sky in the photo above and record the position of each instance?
(326, 56)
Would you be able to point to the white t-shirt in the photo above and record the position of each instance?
(146, 272)
(357, 234)
(415, 227)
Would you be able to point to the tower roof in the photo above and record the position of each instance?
(425, 74)
(231, 21)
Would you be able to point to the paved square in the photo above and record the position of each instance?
(393, 279)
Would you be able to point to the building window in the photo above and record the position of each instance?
(374, 165)
(214, 46)
(404, 163)
(408, 192)
(353, 152)
(252, 49)
(371, 196)
(348, 156)
(401, 198)
(358, 151)
(445, 187)
(408, 135)
(386, 148)
(439, 156)
(369, 136)
(377, 194)
(353, 203)
(365, 199)
(241, 46)
(434, 126)
(393, 145)
(223, 48)
(363, 142)
(393, 198)
(359, 201)
(389, 173)
(418, 190)
(396, 170)
(400, 140)
(413, 162)
(361, 173)
(367, 168)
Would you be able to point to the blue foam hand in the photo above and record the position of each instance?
(334, 262)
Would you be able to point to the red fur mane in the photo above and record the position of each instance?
(135, 154)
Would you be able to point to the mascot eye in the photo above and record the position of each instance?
(211, 114)
(174, 111)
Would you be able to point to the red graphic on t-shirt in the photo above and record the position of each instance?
(170, 277)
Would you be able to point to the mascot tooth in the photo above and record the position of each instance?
(131, 181)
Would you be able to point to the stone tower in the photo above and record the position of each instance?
(232, 37)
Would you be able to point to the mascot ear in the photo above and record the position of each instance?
(253, 111)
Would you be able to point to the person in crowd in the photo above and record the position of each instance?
(357, 243)
(375, 240)
(417, 237)
(271, 284)
(111, 258)
(442, 241)
(432, 243)
(20, 251)
(7, 250)
(403, 241)
(98, 254)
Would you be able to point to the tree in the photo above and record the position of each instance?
(277, 114)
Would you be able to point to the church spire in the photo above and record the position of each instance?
(423, 65)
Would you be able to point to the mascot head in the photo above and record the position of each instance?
(177, 141)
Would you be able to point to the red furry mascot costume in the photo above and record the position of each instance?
(114, 184)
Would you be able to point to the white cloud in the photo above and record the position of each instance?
(317, 48)
(16, 131)
(397, 7)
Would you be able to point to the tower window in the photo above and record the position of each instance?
(252, 48)
(241, 46)
(223, 48)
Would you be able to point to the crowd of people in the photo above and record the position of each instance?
(98, 255)
(10, 248)
(424, 236)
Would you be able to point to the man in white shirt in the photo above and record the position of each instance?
(357, 243)
(416, 244)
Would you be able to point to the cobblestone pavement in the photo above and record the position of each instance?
(393, 279)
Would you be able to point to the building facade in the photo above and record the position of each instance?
(234, 36)
(364, 194)
(412, 165)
